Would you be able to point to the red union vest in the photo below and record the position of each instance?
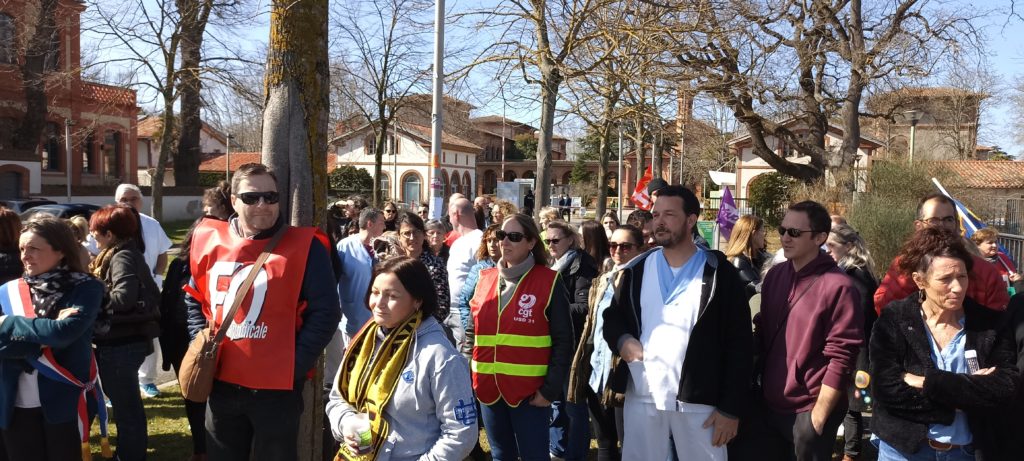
(258, 351)
(513, 342)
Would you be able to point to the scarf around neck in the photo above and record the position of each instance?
(564, 260)
(49, 287)
(369, 375)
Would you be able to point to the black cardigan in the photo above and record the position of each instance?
(719, 359)
(899, 345)
(578, 275)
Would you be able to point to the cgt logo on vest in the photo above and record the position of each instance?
(526, 303)
(225, 279)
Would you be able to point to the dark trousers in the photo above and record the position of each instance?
(242, 421)
(853, 432)
(195, 412)
(29, 437)
(764, 434)
(119, 371)
(607, 427)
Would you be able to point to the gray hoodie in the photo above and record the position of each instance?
(432, 414)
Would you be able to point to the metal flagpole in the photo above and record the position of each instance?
(67, 149)
(436, 122)
(618, 187)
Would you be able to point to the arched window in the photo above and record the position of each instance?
(446, 188)
(112, 154)
(89, 155)
(7, 54)
(528, 175)
(490, 182)
(385, 186)
(456, 186)
(467, 184)
(51, 147)
(411, 188)
(51, 62)
(510, 176)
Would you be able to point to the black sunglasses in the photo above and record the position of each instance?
(624, 245)
(252, 198)
(794, 232)
(514, 237)
(552, 241)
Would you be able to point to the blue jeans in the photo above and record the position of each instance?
(119, 371)
(924, 453)
(570, 430)
(517, 432)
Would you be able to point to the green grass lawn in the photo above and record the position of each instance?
(169, 436)
(176, 230)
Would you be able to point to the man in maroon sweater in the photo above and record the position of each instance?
(809, 331)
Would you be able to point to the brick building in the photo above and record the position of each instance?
(102, 117)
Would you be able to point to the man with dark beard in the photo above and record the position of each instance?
(679, 309)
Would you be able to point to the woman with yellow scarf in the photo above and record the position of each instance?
(403, 392)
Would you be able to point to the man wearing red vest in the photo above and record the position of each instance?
(985, 286)
(280, 329)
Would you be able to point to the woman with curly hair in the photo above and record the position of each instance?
(941, 364)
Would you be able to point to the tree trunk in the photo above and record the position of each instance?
(295, 122)
(656, 163)
(166, 145)
(378, 160)
(27, 136)
(552, 78)
(194, 15)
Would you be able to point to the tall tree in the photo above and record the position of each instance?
(539, 36)
(39, 43)
(194, 15)
(812, 61)
(295, 144)
(386, 59)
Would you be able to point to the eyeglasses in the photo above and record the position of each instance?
(252, 198)
(625, 246)
(937, 221)
(794, 232)
(514, 237)
(552, 241)
(389, 211)
(409, 234)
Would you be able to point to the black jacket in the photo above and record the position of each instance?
(719, 360)
(750, 271)
(866, 284)
(131, 309)
(578, 275)
(900, 345)
(10, 265)
(1010, 424)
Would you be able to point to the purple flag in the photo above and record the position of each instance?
(727, 214)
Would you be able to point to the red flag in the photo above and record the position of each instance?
(640, 196)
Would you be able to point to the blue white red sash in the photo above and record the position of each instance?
(16, 299)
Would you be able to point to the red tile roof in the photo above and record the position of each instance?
(986, 174)
(215, 162)
(151, 125)
(447, 139)
(108, 94)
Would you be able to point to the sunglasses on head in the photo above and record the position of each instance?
(514, 237)
(552, 241)
(252, 198)
(624, 245)
(793, 232)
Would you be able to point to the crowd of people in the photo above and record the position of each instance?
(545, 334)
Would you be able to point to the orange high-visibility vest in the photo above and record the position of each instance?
(513, 342)
(259, 349)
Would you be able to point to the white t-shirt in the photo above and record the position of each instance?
(665, 337)
(461, 258)
(153, 235)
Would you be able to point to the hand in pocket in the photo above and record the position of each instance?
(638, 374)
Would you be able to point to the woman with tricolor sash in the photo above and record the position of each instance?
(523, 344)
(47, 371)
(403, 391)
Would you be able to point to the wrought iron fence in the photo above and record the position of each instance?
(1014, 245)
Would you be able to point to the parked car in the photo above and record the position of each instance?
(61, 210)
(20, 205)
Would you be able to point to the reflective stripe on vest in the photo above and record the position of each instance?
(513, 343)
